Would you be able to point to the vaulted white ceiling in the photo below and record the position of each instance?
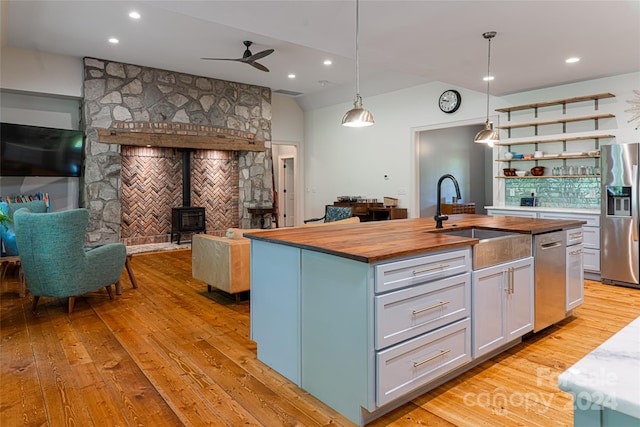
(402, 43)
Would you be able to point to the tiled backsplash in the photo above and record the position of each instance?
(579, 193)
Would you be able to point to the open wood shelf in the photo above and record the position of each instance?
(555, 139)
(558, 121)
(548, 158)
(549, 176)
(557, 102)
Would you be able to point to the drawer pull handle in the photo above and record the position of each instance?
(430, 269)
(422, 310)
(578, 252)
(575, 235)
(442, 353)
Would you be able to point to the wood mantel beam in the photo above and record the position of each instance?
(172, 140)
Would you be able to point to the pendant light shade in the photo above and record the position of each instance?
(488, 135)
(358, 116)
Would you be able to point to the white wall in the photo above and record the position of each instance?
(287, 135)
(341, 161)
(33, 71)
(287, 125)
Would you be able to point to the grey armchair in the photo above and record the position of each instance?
(53, 258)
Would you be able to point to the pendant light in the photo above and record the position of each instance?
(358, 116)
(488, 135)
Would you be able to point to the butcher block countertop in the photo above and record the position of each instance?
(381, 240)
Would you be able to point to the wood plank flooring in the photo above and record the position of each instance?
(171, 354)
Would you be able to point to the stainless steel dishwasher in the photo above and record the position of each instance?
(550, 276)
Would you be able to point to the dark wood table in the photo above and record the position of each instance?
(373, 211)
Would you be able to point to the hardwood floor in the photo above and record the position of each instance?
(170, 354)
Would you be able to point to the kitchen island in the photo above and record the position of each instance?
(367, 316)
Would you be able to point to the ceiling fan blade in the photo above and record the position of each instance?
(258, 55)
(224, 59)
(258, 66)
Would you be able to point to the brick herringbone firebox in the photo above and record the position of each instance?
(152, 181)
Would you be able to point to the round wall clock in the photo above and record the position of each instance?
(450, 101)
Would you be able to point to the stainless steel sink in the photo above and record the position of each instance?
(495, 247)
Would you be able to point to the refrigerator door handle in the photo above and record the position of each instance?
(635, 209)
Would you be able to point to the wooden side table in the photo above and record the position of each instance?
(261, 212)
(5, 262)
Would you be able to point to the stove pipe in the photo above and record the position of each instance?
(186, 177)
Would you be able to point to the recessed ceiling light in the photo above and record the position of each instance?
(488, 78)
(292, 76)
(327, 62)
(134, 15)
(572, 60)
(114, 40)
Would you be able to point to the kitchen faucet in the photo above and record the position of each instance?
(439, 217)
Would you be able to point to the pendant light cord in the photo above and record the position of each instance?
(488, 76)
(357, 51)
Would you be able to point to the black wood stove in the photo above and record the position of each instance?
(187, 219)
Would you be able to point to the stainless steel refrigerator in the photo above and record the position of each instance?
(619, 227)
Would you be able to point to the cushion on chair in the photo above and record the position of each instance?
(237, 233)
(336, 213)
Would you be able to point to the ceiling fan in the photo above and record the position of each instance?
(248, 57)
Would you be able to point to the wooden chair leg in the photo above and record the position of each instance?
(22, 281)
(4, 265)
(34, 303)
(109, 291)
(134, 283)
(118, 288)
(72, 301)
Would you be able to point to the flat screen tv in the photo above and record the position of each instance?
(39, 151)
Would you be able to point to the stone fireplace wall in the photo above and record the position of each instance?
(116, 93)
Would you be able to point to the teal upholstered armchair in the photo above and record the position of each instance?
(53, 258)
(8, 235)
(333, 213)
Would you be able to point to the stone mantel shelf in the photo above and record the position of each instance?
(152, 138)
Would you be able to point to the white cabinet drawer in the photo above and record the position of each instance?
(405, 313)
(412, 364)
(592, 220)
(591, 237)
(400, 274)
(574, 236)
(591, 260)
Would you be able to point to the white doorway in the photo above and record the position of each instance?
(287, 191)
(483, 192)
(285, 160)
